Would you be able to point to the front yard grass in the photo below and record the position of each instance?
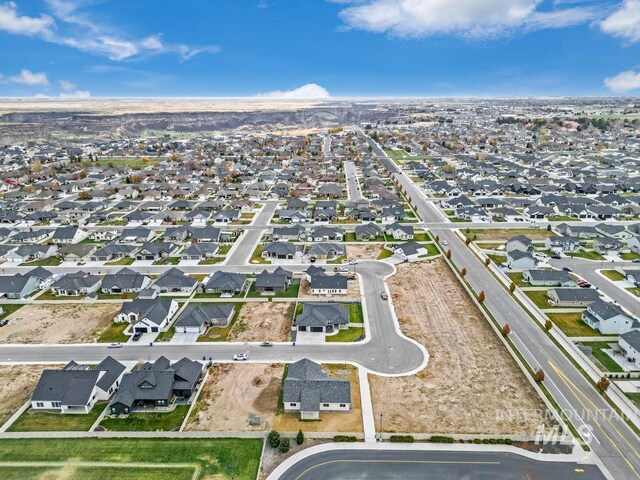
(168, 261)
(630, 256)
(605, 360)
(516, 277)
(587, 255)
(43, 262)
(145, 422)
(9, 308)
(355, 312)
(635, 398)
(351, 334)
(211, 261)
(291, 291)
(212, 455)
(572, 325)
(122, 261)
(634, 290)
(48, 295)
(612, 275)
(539, 297)
(220, 334)
(385, 254)
(114, 334)
(31, 421)
(257, 256)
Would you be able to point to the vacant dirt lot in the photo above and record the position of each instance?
(353, 289)
(505, 234)
(364, 252)
(471, 384)
(238, 398)
(263, 322)
(20, 380)
(67, 323)
(329, 421)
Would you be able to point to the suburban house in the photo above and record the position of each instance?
(174, 281)
(198, 318)
(77, 388)
(147, 314)
(608, 318)
(322, 284)
(562, 244)
(368, 232)
(273, 282)
(200, 251)
(629, 344)
(156, 384)
(548, 278)
(519, 242)
(136, 235)
(520, 260)
(322, 318)
(572, 297)
(410, 251)
(280, 250)
(68, 235)
(18, 286)
(226, 283)
(155, 250)
(326, 251)
(309, 390)
(399, 232)
(75, 284)
(125, 281)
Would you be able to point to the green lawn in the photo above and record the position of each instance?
(605, 360)
(117, 296)
(217, 457)
(166, 336)
(634, 397)
(55, 422)
(630, 256)
(133, 162)
(385, 254)
(220, 334)
(211, 261)
(43, 262)
(634, 290)
(516, 277)
(168, 261)
(137, 422)
(351, 334)
(355, 312)
(9, 308)
(539, 297)
(48, 295)
(291, 292)
(572, 325)
(612, 275)
(257, 256)
(122, 261)
(587, 255)
(337, 261)
(562, 218)
(114, 334)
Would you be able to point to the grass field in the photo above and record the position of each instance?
(351, 334)
(612, 275)
(355, 312)
(55, 422)
(122, 261)
(133, 162)
(114, 334)
(137, 422)
(587, 255)
(9, 308)
(291, 292)
(605, 360)
(572, 325)
(219, 458)
(43, 262)
(630, 256)
(539, 297)
(516, 277)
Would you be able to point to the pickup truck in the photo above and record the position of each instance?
(384, 296)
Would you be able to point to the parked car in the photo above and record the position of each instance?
(115, 345)
(584, 285)
(567, 269)
(556, 256)
(241, 357)
(266, 344)
(384, 296)
(445, 243)
(637, 260)
(341, 269)
(136, 336)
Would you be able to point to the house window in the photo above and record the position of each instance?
(325, 404)
(56, 404)
(292, 404)
(343, 405)
(39, 404)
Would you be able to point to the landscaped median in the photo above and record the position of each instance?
(129, 458)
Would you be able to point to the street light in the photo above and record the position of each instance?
(381, 428)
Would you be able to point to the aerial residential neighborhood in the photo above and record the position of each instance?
(320, 240)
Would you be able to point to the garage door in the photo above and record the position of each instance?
(140, 330)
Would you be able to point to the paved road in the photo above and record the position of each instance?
(428, 465)
(245, 245)
(353, 186)
(387, 352)
(587, 270)
(615, 443)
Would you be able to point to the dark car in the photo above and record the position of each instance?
(136, 336)
(555, 256)
(567, 269)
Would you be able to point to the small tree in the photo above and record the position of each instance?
(467, 240)
(463, 272)
(300, 437)
(487, 261)
(512, 287)
(549, 228)
(506, 330)
(285, 445)
(437, 238)
(449, 254)
(481, 297)
(548, 325)
(603, 384)
(539, 376)
(274, 439)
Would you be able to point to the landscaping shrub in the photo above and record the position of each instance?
(344, 438)
(401, 439)
(285, 445)
(441, 439)
(300, 437)
(508, 441)
(274, 439)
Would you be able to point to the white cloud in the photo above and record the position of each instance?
(75, 94)
(623, 82)
(12, 22)
(625, 22)
(77, 29)
(67, 86)
(27, 77)
(310, 91)
(465, 18)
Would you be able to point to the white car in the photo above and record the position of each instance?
(445, 243)
(241, 356)
(115, 345)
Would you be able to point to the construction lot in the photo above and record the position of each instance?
(238, 398)
(504, 234)
(471, 384)
(263, 322)
(58, 323)
(17, 391)
(347, 422)
(364, 252)
(353, 289)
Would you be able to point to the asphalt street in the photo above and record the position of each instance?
(245, 245)
(611, 438)
(353, 187)
(430, 465)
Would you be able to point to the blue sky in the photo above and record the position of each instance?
(315, 48)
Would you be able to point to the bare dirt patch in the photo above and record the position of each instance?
(238, 398)
(504, 234)
(364, 252)
(263, 322)
(67, 323)
(347, 422)
(353, 289)
(17, 387)
(471, 380)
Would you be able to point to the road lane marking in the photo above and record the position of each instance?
(436, 462)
